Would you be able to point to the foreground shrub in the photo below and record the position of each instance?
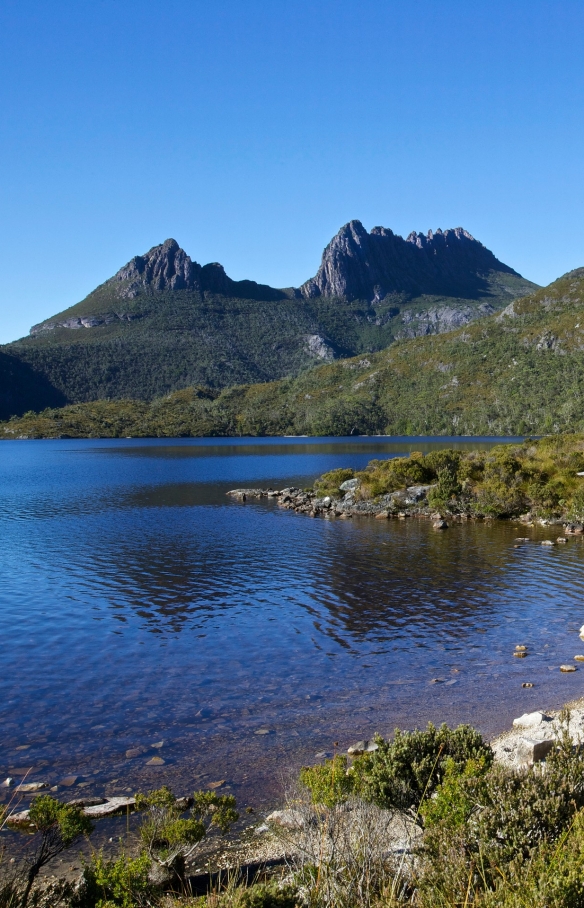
(485, 827)
(328, 783)
(58, 826)
(169, 839)
(403, 772)
(122, 883)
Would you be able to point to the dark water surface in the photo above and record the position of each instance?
(140, 605)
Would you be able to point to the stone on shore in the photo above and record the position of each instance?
(362, 747)
(287, 819)
(529, 751)
(350, 485)
(111, 807)
(531, 720)
(568, 668)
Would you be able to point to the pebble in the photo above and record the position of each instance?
(158, 744)
(218, 784)
(33, 786)
(527, 684)
(561, 540)
(7, 782)
(439, 525)
(520, 654)
(156, 761)
(547, 542)
(568, 668)
(520, 648)
(262, 731)
(579, 658)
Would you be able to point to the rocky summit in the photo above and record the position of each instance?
(361, 265)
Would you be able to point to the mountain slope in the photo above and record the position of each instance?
(164, 322)
(520, 371)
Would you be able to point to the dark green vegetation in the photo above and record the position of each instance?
(539, 477)
(518, 372)
(163, 323)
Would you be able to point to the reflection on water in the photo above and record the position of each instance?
(139, 604)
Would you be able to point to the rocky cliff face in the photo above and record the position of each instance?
(361, 265)
(168, 267)
(165, 267)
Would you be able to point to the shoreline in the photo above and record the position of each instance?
(408, 503)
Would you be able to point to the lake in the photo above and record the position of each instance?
(146, 614)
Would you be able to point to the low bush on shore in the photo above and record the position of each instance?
(539, 477)
(427, 820)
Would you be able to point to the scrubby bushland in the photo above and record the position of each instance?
(536, 476)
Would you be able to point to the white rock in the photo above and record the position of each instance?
(111, 806)
(288, 819)
(362, 747)
(530, 720)
(33, 786)
(19, 819)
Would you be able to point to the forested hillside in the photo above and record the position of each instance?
(520, 371)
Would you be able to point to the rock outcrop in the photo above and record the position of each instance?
(361, 265)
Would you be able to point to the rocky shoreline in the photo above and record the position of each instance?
(404, 503)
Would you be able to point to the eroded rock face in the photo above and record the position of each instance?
(165, 267)
(361, 265)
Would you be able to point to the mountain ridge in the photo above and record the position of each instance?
(164, 322)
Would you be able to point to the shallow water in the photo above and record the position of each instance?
(139, 605)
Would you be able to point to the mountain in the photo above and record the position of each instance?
(164, 322)
(372, 266)
(518, 371)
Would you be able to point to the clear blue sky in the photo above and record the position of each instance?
(251, 130)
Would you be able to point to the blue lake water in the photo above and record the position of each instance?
(140, 606)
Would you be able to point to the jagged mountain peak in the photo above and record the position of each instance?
(361, 265)
(164, 267)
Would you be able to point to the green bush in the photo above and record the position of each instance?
(328, 782)
(122, 883)
(330, 482)
(403, 772)
(259, 895)
(484, 825)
